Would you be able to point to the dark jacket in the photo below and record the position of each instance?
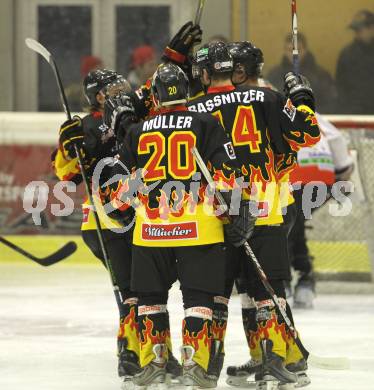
(355, 78)
(321, 81)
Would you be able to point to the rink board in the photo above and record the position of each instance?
(353, 257)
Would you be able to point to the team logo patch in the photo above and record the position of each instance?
(171, 231)
(290, 110)
(230, 150)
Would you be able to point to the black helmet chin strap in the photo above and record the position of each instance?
(242, 82)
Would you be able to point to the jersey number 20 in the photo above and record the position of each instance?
(180, 161)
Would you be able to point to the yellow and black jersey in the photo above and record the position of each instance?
(99, 143)
(173, 208)
(266, 130)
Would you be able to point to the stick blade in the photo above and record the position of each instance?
(38, 48)
(64, 252)
(329, 363)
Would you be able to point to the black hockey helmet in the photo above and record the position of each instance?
(169, 85)
(101, 80)
(214, 57)
(246, 54)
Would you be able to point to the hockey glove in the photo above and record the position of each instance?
(115, 108)
(183, 41)
(71, 133)
(241, 226)
(298, 89)
(124, 217)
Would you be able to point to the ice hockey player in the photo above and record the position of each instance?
(96, 141)
(177, 234)
(337, 165)
(248, 63)
(262, 126)
(118, 115)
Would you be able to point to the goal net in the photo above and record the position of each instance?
(343, 247)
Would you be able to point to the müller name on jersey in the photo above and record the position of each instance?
(168, 122)
(245, 97)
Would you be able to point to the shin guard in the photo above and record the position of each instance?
(196, 332)
(250, 326)
(271, 327)
(128, 336)
(153, 330)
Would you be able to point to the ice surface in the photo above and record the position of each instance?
(58, 329)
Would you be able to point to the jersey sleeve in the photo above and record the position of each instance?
(65, 169)
(299, 125)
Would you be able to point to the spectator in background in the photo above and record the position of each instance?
(321, 81)
(74, 92)
(143, 65)
(355, 68)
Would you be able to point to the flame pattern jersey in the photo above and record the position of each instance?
(173, 207)
(266, 131)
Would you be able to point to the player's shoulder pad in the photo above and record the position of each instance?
(93, 123)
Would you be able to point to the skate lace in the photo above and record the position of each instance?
(249, 364)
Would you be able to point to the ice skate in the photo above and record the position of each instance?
(216, 360)
(174, 371)
(273, 371)
(153, 373)
(128, 366)
(128, 362)
(299, 369)
(239, 375)
(194, 376)
(265, 381)
(304, 294)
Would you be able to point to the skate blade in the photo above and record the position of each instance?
(302, 380)
(243, 382)
(286, 386)
(173, 381)
(267, 385)
(152, 386)
(127, 383)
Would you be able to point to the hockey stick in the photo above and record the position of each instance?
(295, 49)
(54, 258)
(322, 362)
(199, 12)
(40, 49)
